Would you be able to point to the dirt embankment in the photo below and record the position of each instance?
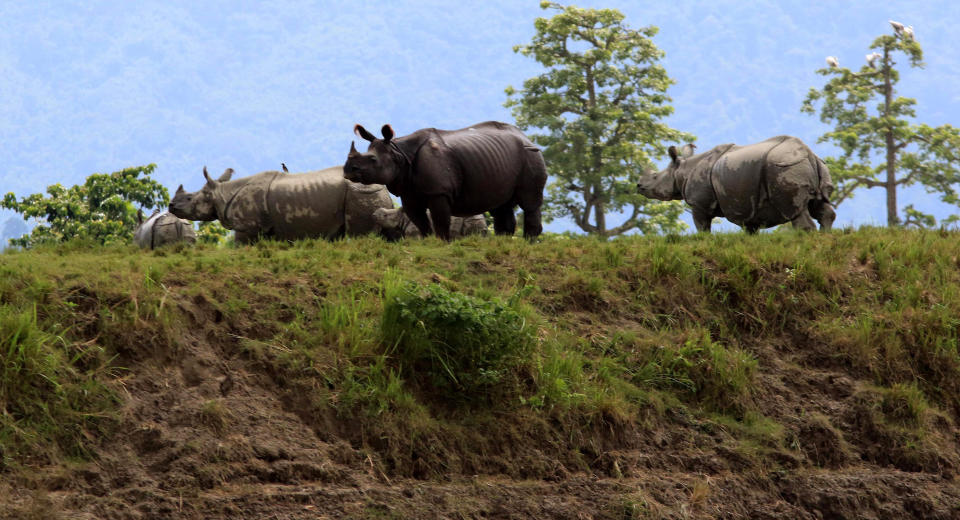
(221, 416)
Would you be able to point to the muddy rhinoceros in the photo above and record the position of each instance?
(161, 229)
(395, 224)
(754, 186)
(285, 206)
(490, 166)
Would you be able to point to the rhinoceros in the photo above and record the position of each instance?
(394, 224)
(161, 229)
(490, 166)
(754, 186)
(285, 206)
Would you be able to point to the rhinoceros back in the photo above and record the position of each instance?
(766, 183)
(307, 204)
(163, 228)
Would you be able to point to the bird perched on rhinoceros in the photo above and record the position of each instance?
(395, 224)
(285, 206)
(754, 186)
(490, 166)
(161, 229)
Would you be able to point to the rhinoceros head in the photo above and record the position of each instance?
(664, 185)
(379, 164)
(199, 205)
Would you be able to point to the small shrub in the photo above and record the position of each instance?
(720, 378)
(462, 346)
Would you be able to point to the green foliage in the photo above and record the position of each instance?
(718, 377)
(906, 153)
(463, 346)
(100, 210)
(212, 232)
(49, 401)
(600, 106)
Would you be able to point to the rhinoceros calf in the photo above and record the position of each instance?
(754, 186)
(285, 206)
(395, 224)
(161, 229)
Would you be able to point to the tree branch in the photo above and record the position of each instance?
(629, 224)
(868, 182)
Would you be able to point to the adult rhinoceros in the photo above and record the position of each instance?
(161, 229)
(394, 224)
(486, 167)
(285, 206)
(755, 186)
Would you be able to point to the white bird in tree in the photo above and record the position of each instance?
(872, 59)
(833, 61)
(897, 27)
(908, 33)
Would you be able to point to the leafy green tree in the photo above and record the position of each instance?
(212, 232)
(101, 209)
(599, 106)
(906, 153)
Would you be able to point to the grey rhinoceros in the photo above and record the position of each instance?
(285, 206)
(754, 186)
(161, 229)
(395, 224)
(490, 166)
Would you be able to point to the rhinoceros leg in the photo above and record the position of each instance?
(824, 213)
(702, 221)
(418, 215)
(804, 221)
(504, 220)
(440, 215)
(244, 237)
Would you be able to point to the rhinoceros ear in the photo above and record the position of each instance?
(226, 175)
(687, 150)
(387, 132)
(673, 153)
(362, 132)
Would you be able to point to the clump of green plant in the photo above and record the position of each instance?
(460, 345)
(720, 378)
(215, 415)
(52, 397)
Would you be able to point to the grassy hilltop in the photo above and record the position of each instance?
(777, 375)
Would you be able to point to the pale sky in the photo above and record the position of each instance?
(96, 86)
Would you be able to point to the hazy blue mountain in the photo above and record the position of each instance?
(97, 86)
(13, 227)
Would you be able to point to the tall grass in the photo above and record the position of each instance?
(52, 393)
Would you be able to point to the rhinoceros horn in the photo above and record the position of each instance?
(210, 182)
(179, 190)
(353, 150)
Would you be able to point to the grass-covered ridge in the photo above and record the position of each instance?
(493, 355)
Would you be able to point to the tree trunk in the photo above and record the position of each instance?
(891, 183)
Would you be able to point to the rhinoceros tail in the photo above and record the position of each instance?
(826, 182)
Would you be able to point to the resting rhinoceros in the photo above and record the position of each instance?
(487, 167)
(395, 224)
(755, 186)
(285, 206)
(162, 228)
